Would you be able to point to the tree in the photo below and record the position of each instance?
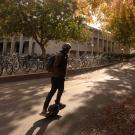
(43, 20)
(119, 19)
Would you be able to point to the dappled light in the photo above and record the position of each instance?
(91, 117)
(94, 104)
(96, 40)
(17, 101)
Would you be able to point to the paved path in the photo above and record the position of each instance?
(85, 95)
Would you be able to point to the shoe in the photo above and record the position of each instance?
(43, 113)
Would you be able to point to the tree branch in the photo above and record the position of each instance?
(36, 39)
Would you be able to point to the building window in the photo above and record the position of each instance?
(95, 41)
(109, 49)
(112, 46)
(1, 47)
(33, 48)
(73, 53)
(81, 53)
(8, 48)
(104, 48)
(100, 44)
(25, 47)
(105, 45)
(17, 47)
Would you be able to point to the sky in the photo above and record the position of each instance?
(95, 24)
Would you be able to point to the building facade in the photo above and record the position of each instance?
(99, 43)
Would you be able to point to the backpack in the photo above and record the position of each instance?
(50, 63)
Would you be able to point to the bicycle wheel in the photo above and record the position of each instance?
(9, 68)
(16, 66)
(41, 65)
(34, 66)
(25, 67)
(1, 70)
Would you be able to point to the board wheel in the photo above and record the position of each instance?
(52, 114)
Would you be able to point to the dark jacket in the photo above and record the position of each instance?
(60, 65)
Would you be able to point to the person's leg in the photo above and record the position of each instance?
(60, 90)
(48, 99)
(59, 94)
(50, 95)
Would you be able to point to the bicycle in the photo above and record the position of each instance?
(5, 63)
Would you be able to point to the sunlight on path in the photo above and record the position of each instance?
(84, 94)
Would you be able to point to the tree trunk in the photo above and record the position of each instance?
(42, 45)
(43, 50)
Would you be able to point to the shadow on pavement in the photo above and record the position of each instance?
(41, 125)
(17, 101)
(87, 119)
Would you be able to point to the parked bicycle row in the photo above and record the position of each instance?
(87, 61)
(13, 64)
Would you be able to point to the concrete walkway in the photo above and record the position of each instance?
(85, 95)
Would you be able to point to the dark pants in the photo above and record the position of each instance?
(57, 83)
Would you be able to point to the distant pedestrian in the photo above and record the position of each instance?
(58, 77)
